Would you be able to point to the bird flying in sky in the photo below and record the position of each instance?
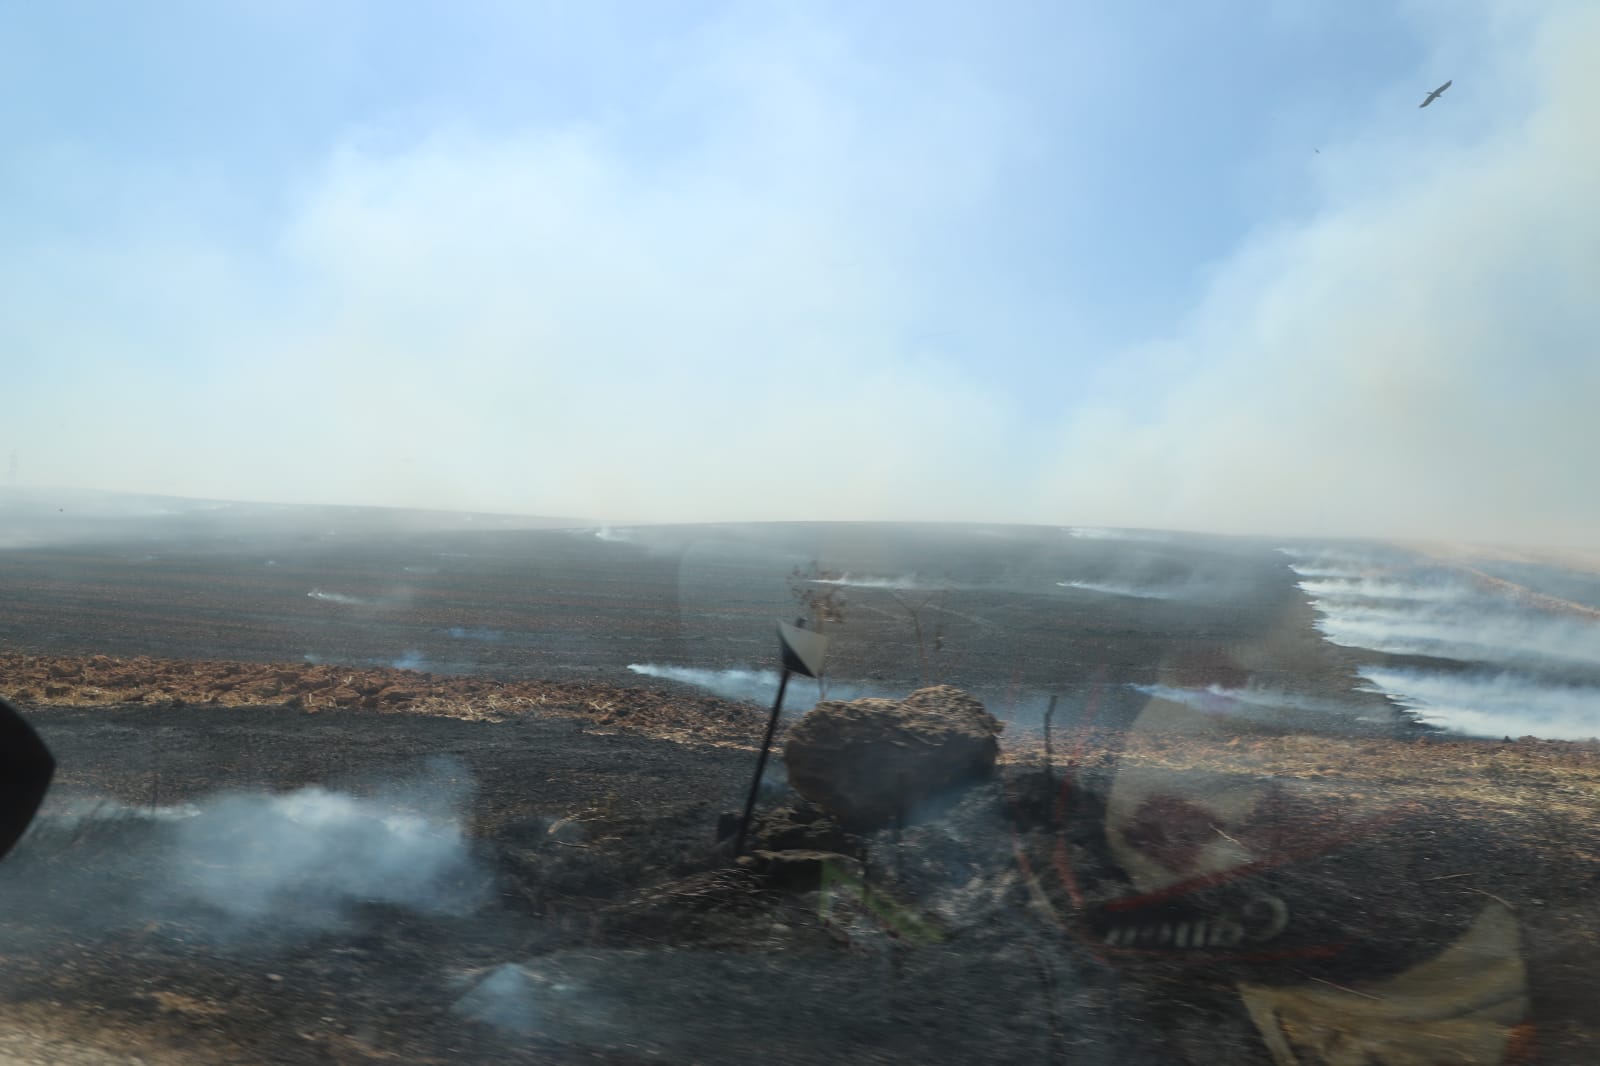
(1435, 94)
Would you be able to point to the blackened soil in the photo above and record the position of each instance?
(611, 929)
(636, 940)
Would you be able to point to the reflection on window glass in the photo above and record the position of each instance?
(723, 533)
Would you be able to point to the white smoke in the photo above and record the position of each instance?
(507, 998)
(254, 867)
(1371, 588)
(1502, 704)
(1145, 583)
(756, 686)
(542, 996)
(1098, 533)
(902, 584)
(305, 857)
(1325, 563)
(1249, 702)
(1460, 636)
(1109, 588)
(1511, 641)
(746, 686)
(760, 686)
(1454, 620)
(339, 597)
(480, 633)
(1324, 571)
(394, 596)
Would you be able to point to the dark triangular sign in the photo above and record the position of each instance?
(803, 650)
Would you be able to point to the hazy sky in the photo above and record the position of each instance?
(1185, 265)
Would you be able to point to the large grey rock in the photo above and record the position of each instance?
(870, 760)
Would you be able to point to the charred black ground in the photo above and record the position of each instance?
(644, 944)
(606, 925)
(996, 608)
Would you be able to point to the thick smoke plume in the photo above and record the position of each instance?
(305, 857)
(1411, 606)
(1529, 662)
(1494, 704)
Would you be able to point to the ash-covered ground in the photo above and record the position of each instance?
(1015, 614)
(327, 797)
(234, 883)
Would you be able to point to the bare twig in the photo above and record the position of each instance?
(1226, 837)
(932, 666)
(1342, 988)
(1505, 903)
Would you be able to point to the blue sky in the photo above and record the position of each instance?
(1201, 265)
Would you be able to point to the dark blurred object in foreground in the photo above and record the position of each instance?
(26, 767)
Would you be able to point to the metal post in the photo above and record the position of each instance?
(761, 764)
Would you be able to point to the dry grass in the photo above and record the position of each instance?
(1537, 778)
(105, 681)
(1549, 789)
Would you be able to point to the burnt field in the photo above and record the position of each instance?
(1012, 613)
(398, 797)
(528, 872)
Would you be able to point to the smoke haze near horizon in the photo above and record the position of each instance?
(812, 263)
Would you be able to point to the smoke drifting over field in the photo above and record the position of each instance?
(303, 858)
(1250, 703)
(255, 867)
(1410, 606)
(508, 998)
(903, 584)
(1110, 589)
(1525, 661)
(758, 686)
(338, 597)
(1150, 566)
(1024, 707)
(1494, 704)
(1096, 533)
